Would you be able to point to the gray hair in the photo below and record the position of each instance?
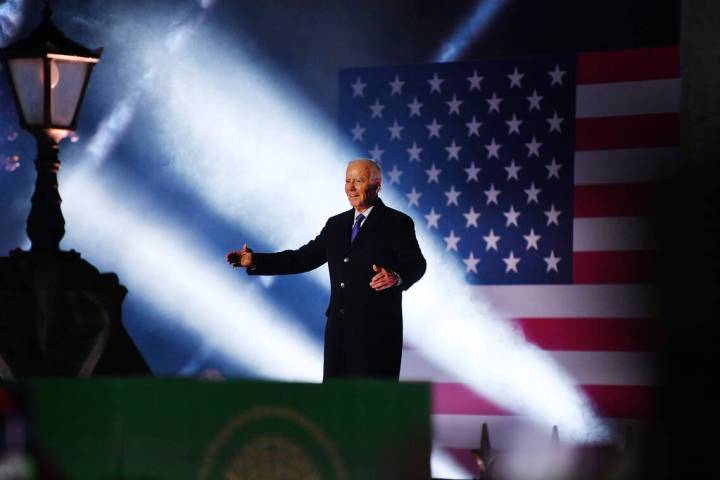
(375, 169)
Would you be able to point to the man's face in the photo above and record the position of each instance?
(358, 187)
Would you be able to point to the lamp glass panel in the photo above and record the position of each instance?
(27, 76)
(66, 84)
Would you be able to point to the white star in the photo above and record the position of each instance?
(514, 125)
(491, 240)
(556, 75)
(395, 130)
(434, 129)
(473, 127)
(492, 195)
(534, 100)
(475, 81)
(414, 152)
(394, 175)
(413, 197)
(531, 240)
(552, 262)
(376, 153)
(552, 215)
(471, 263)
(513, 170)
(511, 263)
(553, 169)
(396, 86)
(433, 174)
(533, 193)
(452, 196)
(358, 88)
(451, 240)
(472, 172)
(376, 109)
(432, 219)
(555, 122)
(453, 151)
(454, 105)
(511, 216)
(493, 148)
(415, 107)
(515, 78)
(435, 83)
(471, 216)
(494, 103)
(357, 133)
(533, 147)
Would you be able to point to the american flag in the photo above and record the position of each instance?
(539, 175)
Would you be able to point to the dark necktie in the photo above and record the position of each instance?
(356, 227)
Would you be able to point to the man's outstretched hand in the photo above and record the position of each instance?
(241, 258)
(383, 278)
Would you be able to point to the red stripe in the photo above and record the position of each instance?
(590, 334)
(465, 458)
(627, 131)
(628, 65)
(615, 401)
(616, 199)
(614, 267)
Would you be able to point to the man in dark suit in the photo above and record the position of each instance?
(372, 255)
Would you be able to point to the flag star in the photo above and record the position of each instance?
(513, 170)
(492, 195)
(414, 152)
(533, 147)
(556, 75)
(454, 105)
(511, 262)
(472, 172)
(493, 148)
(452, 240)
(553, 169)
(452, 196)
(473, 127)
(357, 133)
(358, 88)
(432, 219)
(376, 109)
(532, 239)
(396, 86)
(515, 78)
(471, 263)
(433, 174)
(494, 103)
(552, 215)
(453, 151)
(434, 129)
(435, 83)
(514, 125)
(511, 216)
(533, 193)
(534, 100)
(395, 130)
(414, 198)
(471, 216)
(491, 240)
(555, 122)
(394, 175)
(552, 262)
(475, 81)
(376, 153)
(415, 107)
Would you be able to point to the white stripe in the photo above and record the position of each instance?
(585, 368)
(628, 98)
(613, 234)
(629, 165)
(597, 301)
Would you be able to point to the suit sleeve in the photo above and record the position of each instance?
(409, 261)
(306, 258)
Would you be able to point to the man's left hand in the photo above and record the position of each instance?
(383, 278)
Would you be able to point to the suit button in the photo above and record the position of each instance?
(341, 311)
(346, 259)
(342, 284)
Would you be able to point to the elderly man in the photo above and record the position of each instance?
(372, 255)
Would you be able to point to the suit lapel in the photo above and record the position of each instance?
(369, 225)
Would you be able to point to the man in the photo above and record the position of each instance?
(372, 255)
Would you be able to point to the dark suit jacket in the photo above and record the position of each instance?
(363, 335)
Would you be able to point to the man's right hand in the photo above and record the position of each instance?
(241, 258)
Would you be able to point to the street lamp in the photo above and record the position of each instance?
(48, 75)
